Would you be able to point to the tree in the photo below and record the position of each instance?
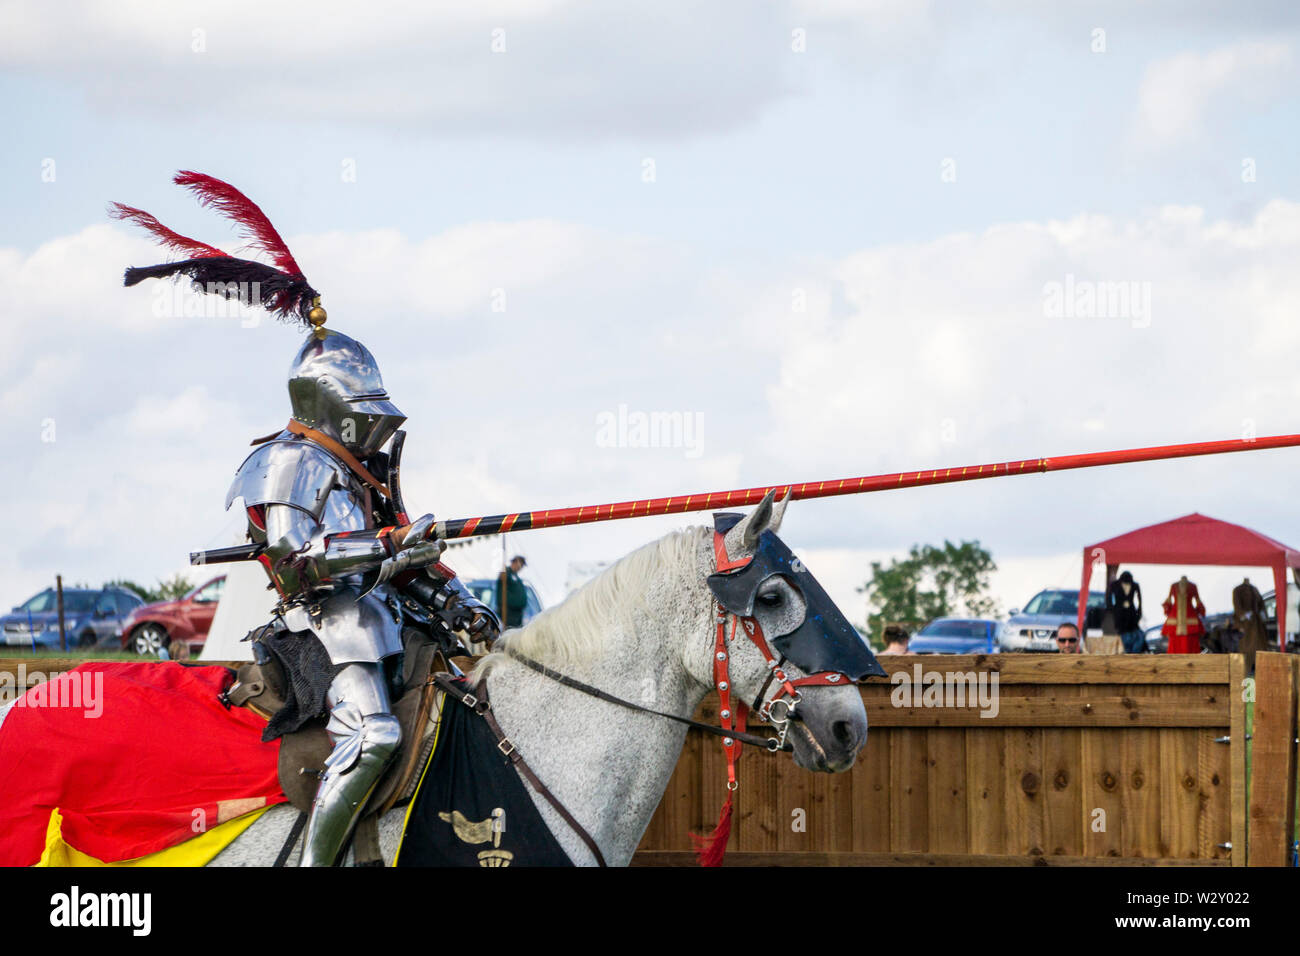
(930, 582)
(176, 586)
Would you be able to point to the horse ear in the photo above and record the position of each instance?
(778, 512)
(744, 536)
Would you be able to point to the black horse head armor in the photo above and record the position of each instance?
(825, 640)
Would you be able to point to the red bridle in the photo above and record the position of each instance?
(710, 850)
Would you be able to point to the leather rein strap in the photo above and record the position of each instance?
(767, 743)
(479, 703)
(320, 438)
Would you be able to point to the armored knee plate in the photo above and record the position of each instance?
(366, 738)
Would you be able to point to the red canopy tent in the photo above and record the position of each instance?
(1193, 539)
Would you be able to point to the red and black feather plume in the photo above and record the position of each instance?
(281, 289)
(234, 205)
(166, 237)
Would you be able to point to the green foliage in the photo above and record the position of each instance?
(174, 587)
(131, 586)
(930, 582)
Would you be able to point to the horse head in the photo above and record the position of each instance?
(792, 656)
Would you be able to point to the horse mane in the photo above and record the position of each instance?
(575, 631)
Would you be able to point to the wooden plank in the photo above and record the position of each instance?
(1180, 790)
(1067, 669)
(986, 818)
(1010, 668)
(659, 858)
(1214, 829)
(946, 791)
(1063, 814)
(1273, 761)
(1101, 769)
(871, 794)
(1140, 786)
(1023, 787)
(1180, 793)
(1237, 745)
(756, 804)
(795, 813)
(839, 803)
(1205, 708)
(909, 828)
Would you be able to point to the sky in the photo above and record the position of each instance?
(831, 238)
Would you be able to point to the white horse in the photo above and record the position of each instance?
(644, 630)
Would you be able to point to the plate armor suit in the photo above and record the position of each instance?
(333, 538)
(315, 516)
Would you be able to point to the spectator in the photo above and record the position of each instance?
(896, 639)
(516, 596)
(1067, 640)
(1124, 600)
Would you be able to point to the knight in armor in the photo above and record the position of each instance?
(333, 535)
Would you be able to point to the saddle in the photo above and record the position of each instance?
(262, 687)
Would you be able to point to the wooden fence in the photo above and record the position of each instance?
(1084, 760)
(1273, 752)
(1114, 760)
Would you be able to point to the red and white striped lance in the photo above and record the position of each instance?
(708, 501)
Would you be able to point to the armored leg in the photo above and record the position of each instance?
(366, 736)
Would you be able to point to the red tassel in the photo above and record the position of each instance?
(711, 849)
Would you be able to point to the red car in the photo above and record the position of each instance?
(154, 626)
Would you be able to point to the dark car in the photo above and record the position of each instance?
(153, 627)
(1157, 643)
(955, 635)
(91, 616)
(485, 589)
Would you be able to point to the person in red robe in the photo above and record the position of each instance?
(1183, 618)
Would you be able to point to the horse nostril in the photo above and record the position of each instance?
(844, 734)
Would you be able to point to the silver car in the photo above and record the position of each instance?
(1034, 628)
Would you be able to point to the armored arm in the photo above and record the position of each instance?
(440, 589)
(302, 555)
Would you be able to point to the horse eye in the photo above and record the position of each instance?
(771, 598)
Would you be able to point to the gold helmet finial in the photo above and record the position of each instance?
(317, 317)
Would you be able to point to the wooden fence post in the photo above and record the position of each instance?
(63, 634)
(1237, 744)
(1273, 760)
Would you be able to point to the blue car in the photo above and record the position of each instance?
(90, 617)
(955, 635)
(485, 589)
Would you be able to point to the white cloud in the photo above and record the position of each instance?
(912, 355)
(514, 67)
(1178, 93)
